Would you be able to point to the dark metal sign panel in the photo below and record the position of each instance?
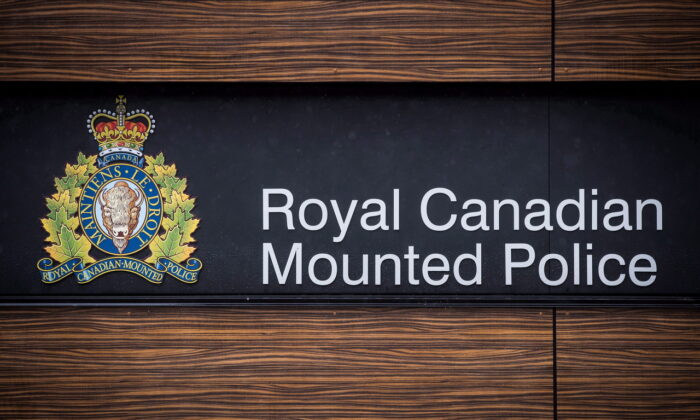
(363, 194)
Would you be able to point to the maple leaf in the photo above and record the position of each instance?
(163, 171)
(169, 246)
(59, 200)
(175, 184)
(70, 246)
(172, 185)
(179, 200)
(53, 225)
(68, 183)
(152, 162)
(187, 225)
(164, 175)
(79, 171)
(89, 162)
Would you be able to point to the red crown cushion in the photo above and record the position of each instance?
(129, 125)
(141, 127)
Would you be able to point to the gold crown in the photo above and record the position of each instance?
(121, 129)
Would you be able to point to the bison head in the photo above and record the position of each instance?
(120, 212)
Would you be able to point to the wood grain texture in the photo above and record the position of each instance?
(627, 40)
(628, 363)
(275, 363)
(445, 40)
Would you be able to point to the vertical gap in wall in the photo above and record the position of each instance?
(549, 245)
(551, 39)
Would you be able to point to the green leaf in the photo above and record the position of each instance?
(70, 246)
(163, 171)
(53, 225)
(80, 173)
(169, 246)
(152, 162)
(186, 225)
(166, 193)
(178, 200)
(59, 200)
(175, 184)
(89, 162)
(68, 183)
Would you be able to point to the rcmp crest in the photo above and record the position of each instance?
(118, 203)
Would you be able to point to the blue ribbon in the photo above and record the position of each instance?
(120, 157)
(189, 273)
(51, 274)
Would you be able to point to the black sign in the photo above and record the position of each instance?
(358, 193)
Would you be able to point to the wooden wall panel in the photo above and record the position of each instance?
(627, 40)
(337, 40)
(628, 363)
(275, 363)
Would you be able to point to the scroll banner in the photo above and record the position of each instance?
(189, 273)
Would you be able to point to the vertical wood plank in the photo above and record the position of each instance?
(275, 363)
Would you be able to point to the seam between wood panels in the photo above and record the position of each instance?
(555, 408)
(552, 49)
